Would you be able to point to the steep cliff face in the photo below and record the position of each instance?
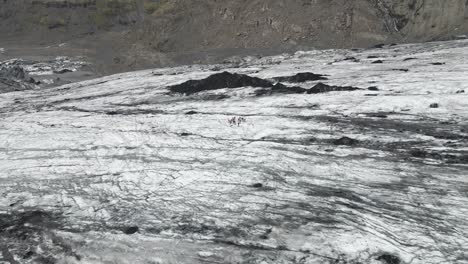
(180, 24)
(159, 32)
(241, 23)
(427, 19)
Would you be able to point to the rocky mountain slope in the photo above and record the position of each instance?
(133, 34)
(331, 156)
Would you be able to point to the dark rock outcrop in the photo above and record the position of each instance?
(234, 80)
(324, 88)
(281, 88)
(14, 78)
(14, 72)
(345, 141)
(389, 259)
(301, 77)
(219, 81)
(131, 230)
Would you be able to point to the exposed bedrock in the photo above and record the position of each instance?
(119, 35)
(235, 80)
(14, 78)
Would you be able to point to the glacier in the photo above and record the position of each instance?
(122, 170)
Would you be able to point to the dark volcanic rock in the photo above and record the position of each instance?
(379, 46)
(389, 259)
(265, 91)
(21, 232)
(15, 79)
(324, 88)
(378, 115)
(418, 153)
(213, 97)
(448, 158)
(318, 88)
(219, 81)
(353, 59)
(234, 80)
(15, 72)
(463, 159)
(131, 230)
(28, 255)
(281, 88)
(345, 141)
(301, 77)
(62, 71)
(36, 219)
